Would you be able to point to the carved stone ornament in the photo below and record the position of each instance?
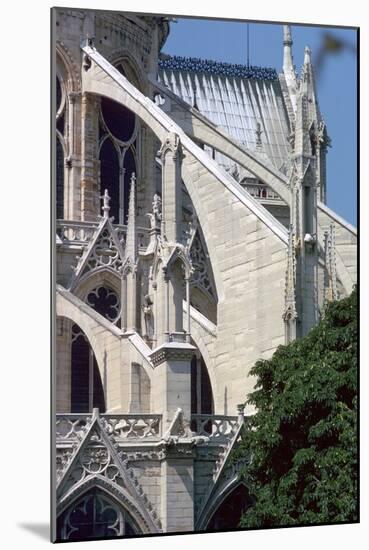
(172, 352)
(172, 144)
(201, 276)
(97, 458)
(104, 251)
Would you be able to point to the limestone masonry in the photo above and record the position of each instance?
(192, 239)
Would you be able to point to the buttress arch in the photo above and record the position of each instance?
(73, 314)
(107, 87)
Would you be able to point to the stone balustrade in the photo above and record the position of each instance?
(261, 191)
(72, 232)
(80, 232)
(216, 427)
(72, 427)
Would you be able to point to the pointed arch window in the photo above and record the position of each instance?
(229, 513)
(95, 516)
(119, 136)
(110, 175)
(59, 179)
(60, 145)
(202, 401)
(87, 390)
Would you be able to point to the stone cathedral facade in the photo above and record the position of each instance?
(192, 239)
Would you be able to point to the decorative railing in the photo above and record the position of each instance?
(75, 232)
(79, 232)
(196, 65)
(73, 427)
(214, 426)
(261, 192)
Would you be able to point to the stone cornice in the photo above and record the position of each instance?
(172, 351)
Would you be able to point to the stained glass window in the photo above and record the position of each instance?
(95, 516)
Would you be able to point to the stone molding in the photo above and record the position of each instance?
(172, 352)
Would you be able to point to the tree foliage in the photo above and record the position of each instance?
(303, 441)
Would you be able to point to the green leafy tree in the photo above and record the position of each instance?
(303, 441)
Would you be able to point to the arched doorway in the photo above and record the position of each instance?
(87, 390)
(95, 515)
(228, 514)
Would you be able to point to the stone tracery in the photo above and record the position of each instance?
(137, 357)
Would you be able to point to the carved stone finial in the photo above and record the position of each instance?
(258, 133)
(194, 88)
(171, 144)
(287, 37)
(241, 412)
(106, 202)
(307, 55)
(156, 206)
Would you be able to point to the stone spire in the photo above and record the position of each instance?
(317, 132)
(308, 87)
(302, 145)
(129, 269)
(131, 247)
(287, 49)
(303, 213)
(288, 68)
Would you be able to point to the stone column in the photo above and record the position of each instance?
(172, 386)
(174, 300)
(132, 299)
(171, 157)
(188, 319)
(177, 491)
(123, 301)
(73, 160)
(90, 164)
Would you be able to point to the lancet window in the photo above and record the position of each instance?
(93, 516)
(60, 145)
(118, 153)
(87, 389)
(201, 392)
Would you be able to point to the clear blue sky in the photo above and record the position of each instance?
(336, 83)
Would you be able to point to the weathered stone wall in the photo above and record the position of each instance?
(249, 264)
(203, 474)
(148, 473)
(134, 42)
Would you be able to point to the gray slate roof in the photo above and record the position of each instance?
(235, 103)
